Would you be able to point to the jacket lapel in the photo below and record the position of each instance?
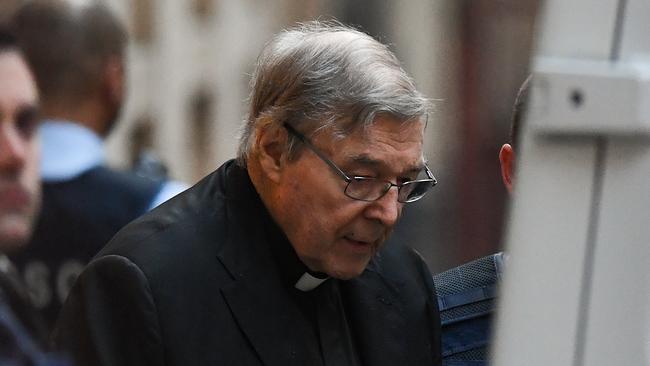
(275, 327)
(376, 317)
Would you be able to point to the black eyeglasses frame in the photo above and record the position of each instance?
(431, 181)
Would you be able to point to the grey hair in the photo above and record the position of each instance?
(321, 75)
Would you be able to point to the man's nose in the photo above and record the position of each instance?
(386, 209)
(12, 148)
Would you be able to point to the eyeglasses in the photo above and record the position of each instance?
(371, 189)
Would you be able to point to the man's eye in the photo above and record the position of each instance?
(27, 121)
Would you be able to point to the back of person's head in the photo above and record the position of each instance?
(321, 75)
(519, 112)
(7, 8)
(68, 45)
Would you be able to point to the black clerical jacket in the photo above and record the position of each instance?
(193, 282)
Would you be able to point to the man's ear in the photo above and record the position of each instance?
(507, 160)
(114, 80)
(270, 146)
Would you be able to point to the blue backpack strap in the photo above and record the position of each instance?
(466, 297)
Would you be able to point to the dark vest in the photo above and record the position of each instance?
(466, 299)
(77, 218)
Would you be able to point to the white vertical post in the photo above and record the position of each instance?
(576, 289)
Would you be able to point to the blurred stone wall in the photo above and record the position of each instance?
(189, 62)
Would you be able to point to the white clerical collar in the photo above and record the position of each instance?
(308, 282)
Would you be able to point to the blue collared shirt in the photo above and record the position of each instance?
(70, 149)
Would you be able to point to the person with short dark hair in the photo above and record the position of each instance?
(22, 336)
(467, 294)
(277, 258)
(77, 52)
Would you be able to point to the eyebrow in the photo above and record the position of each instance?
(367, 160)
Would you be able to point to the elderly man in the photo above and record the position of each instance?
(276, 258)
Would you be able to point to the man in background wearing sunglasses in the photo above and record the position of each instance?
(277, 257)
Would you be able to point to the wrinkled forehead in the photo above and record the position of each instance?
(387, 144)
(402, 128)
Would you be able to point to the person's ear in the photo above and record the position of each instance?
(507, 160)
(270, 146)
(114, 80)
